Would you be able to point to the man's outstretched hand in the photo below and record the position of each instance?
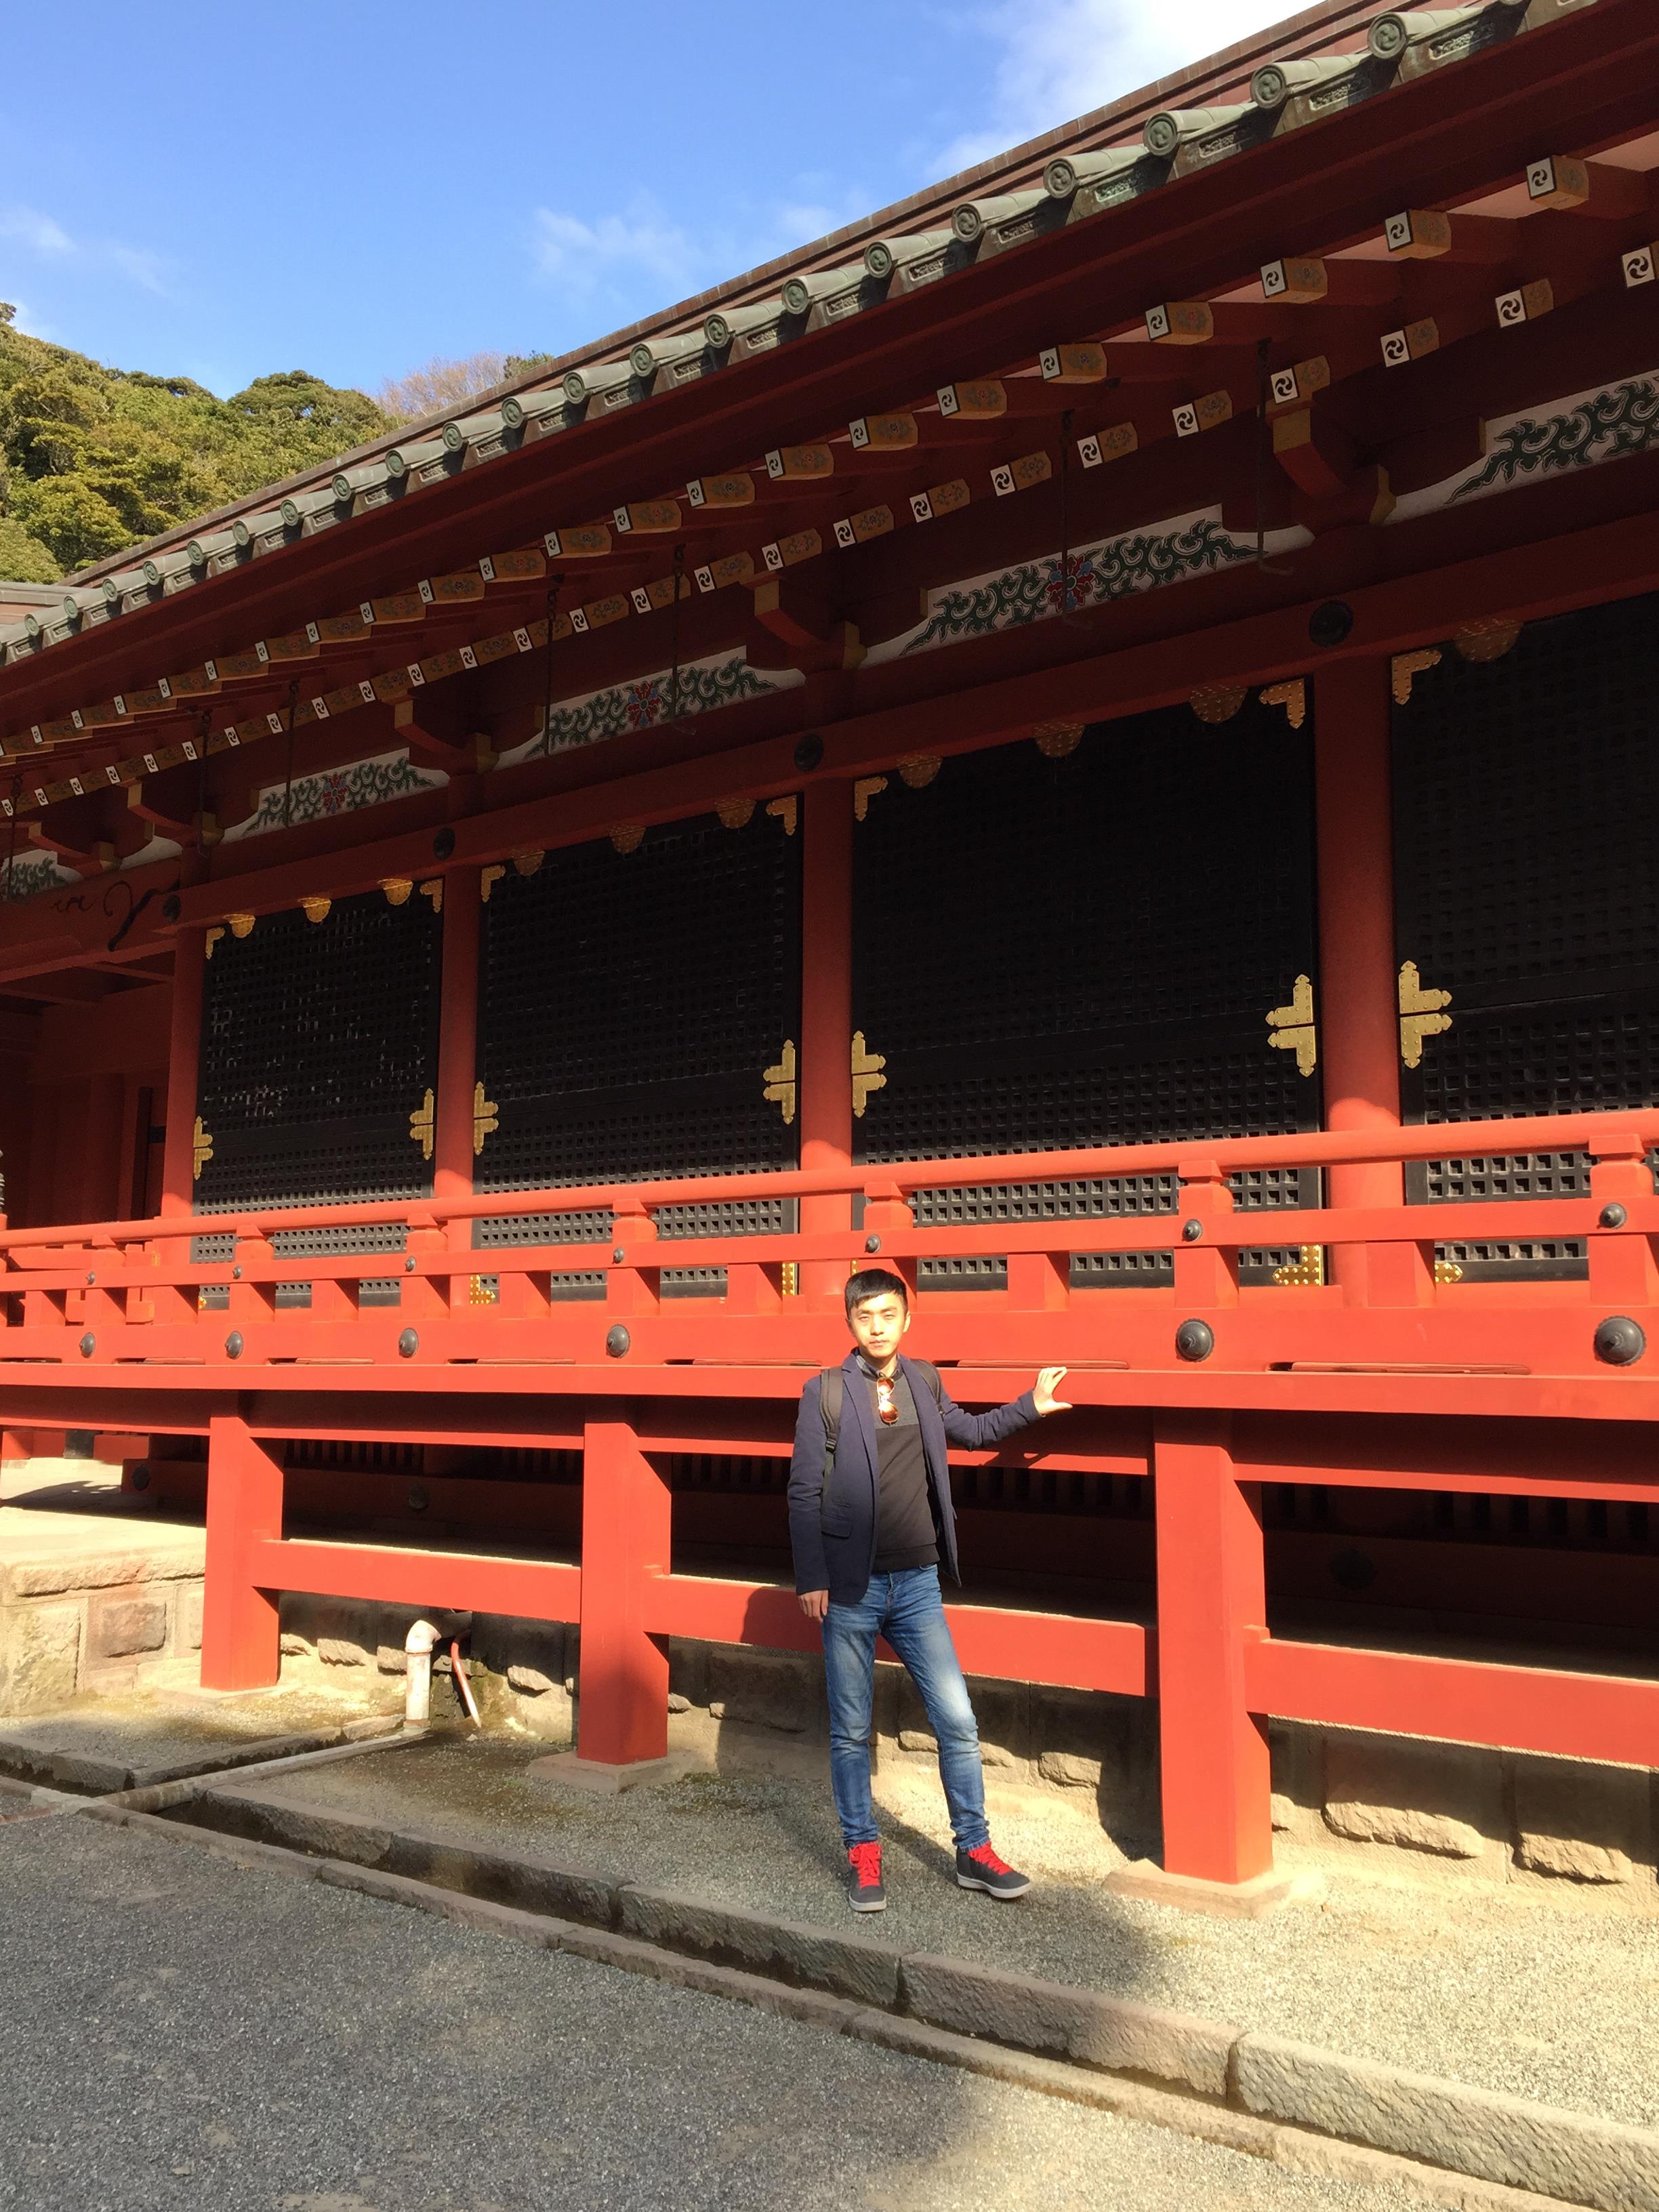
(1044, 1396)
(815, 1603)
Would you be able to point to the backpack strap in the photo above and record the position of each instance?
(832, 1393)
(929, 1375)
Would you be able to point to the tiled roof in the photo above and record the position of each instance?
(1289, 79)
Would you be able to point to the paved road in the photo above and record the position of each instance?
(176, 2031)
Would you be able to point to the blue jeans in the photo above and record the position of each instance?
(907, 1609)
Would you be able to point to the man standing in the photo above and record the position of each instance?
(871, 1522)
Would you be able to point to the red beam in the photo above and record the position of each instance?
(1029, 1647)
(530, 1590)
(1463, 1701)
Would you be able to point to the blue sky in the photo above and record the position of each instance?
(223, 191)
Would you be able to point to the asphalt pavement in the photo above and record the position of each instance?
(179, 2031)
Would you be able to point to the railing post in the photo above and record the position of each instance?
(178, 1166)
(1621, 1261)
(453, 1152)
(1212, 1592)
(826, 1017)
(626, 1517)
(241, 1641)
(1204, 1275)
(1358, 1005)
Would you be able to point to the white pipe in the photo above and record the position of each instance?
(418, 1647)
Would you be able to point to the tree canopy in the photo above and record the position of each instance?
(95, 460)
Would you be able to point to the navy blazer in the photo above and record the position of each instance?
(832, 1524)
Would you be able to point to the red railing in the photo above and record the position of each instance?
(105, 1322)
(126, 1292)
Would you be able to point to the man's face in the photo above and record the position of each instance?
(878, 1324)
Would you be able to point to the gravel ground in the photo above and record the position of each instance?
(1547, 2002)
(181, 2032)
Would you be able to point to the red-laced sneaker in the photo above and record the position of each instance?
(867, 1893)
(981, 1869)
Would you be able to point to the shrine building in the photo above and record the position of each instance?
(1095, 738)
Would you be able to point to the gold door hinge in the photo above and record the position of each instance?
(485, 1119)
(1447, 1271)
(420, 1125)
(780, 1081)
(1304, 1274)
(1419, 1014)
(866, 1072)
(200, 1149)
(1292, 1028)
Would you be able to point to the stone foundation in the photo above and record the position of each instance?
(119, 1607)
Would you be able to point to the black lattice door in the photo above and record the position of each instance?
(1527, 886)
(632, 1003)
(1083, 950)
(320, 1052)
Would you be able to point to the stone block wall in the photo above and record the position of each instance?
(74, 1623)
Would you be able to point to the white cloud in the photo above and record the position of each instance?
(1061, 58)
(589, 259)
(44, 235)
(29, 227)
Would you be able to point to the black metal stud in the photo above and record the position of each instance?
(1192, 1230)
(233, 1345)
(617, 1340)
(409, 1267)
(1614, 1215)
(1620, 1341)
(236, 1274)
(443, 844)
(1194, 1339)
(89, 1345)
(617, 1253)
(872, 1244)
(92, 1279)
(808, 753)
(1327, 625)
(408, 1344)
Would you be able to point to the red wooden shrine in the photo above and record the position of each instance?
(1095, 737)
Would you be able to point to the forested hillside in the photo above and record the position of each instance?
(94, 459)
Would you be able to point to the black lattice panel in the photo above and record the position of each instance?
(1083, 950)
(1525, 792)
(630, 1002)
(320, 1041)
(954, 1105)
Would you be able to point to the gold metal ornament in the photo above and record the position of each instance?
(421, 1125)
(1307, 1273)
(1407, 665)
(786, 811)
(200, 1149)
(1293, 1029)
(1218, 702)
(1419, 1014)
(863, 791)
(485, 1119)
(1292, 696)
(316, 909)
(866, 1072)
(780, 1081)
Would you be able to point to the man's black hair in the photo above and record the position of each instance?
(875, 1282)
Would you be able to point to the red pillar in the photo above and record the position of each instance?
(1358, 992)
(452, 1154)
(184, 1054)
(826, 1016)
(1212, 1592)
(240, 1644)
(626, 1526)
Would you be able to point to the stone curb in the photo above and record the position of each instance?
(1474, 2149)
(82, 1772)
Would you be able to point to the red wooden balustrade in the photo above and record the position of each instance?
(103, 1326)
